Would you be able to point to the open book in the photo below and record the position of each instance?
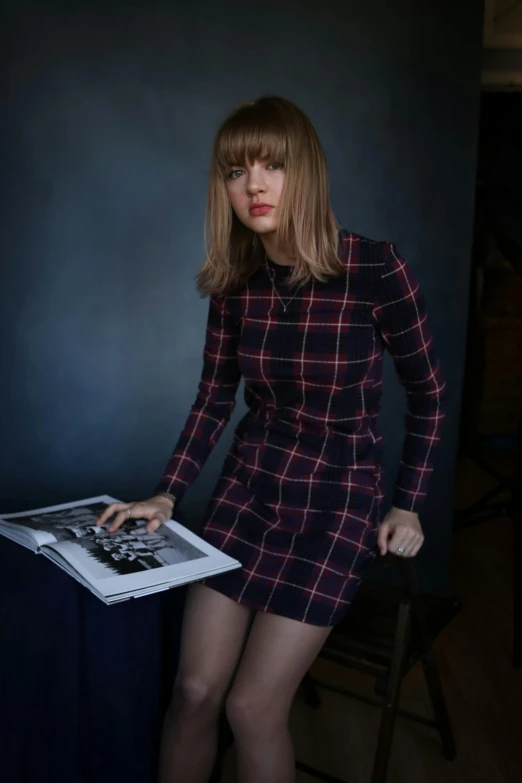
(115, 566)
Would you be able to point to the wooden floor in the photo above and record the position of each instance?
(483, 691)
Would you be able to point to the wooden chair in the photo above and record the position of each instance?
(386, 632)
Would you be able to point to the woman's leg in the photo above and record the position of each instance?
(277, 655)
(214, 630)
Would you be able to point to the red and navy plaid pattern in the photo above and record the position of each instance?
(298, 500)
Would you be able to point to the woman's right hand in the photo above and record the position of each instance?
(157, 510)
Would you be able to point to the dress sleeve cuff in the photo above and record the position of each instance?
(169, 488)
(408, 500)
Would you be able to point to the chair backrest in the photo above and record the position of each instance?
(404, 568)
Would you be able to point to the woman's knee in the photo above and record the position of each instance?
(195, 694)
(254, 712)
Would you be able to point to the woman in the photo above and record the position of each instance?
(303, 311)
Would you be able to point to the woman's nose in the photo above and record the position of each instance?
(255, 184)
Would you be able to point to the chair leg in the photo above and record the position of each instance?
(310, 692)
(517, 597)
(392, 695)
(438, 703)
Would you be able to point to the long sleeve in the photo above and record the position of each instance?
(215, 401)
(400, 316)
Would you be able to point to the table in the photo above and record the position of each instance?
(83, 686)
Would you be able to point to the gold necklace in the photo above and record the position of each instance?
(271, 275)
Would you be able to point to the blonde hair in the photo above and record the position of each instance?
(270, 128)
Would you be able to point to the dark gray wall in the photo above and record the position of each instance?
(111, 114)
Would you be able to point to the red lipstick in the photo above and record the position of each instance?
(260, 209)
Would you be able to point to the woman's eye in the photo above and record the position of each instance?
(276, 165)
(233, 174)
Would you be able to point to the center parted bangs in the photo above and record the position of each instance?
(254, 132)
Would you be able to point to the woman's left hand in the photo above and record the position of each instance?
(405, 531)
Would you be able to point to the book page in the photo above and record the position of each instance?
(132, 559)
(26, 535)
(127, 551)
(59, 523)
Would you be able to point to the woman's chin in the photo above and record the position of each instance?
(261, 225)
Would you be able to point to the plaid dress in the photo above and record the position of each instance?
(298, 500)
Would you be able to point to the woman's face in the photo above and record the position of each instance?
(255, 192)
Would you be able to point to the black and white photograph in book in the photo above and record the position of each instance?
(132, 549)
(129, 550)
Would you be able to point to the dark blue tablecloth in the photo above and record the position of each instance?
(83, 686)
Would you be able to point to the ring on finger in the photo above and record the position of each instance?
(129, 511)
(400, 550)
